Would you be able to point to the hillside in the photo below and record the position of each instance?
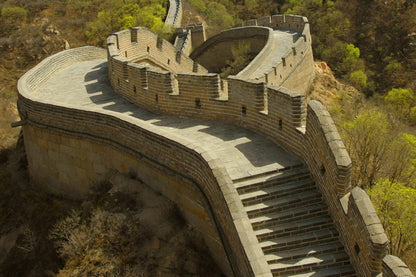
(367, 66)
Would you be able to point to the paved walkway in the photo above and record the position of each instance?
(282, 43)
(243, 153)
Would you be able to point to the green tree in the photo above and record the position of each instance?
(401, 100)
(241, 58)
(396, 207)
(218, 14)
(367, 139)
(400, 164)
(359, 80)
(199, 5)
(116, 15)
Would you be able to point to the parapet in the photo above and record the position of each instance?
(141, 44)
(198, 34)
(152, 73)
(179, 87)
(283, 56)
(395, 267)
(174, 16)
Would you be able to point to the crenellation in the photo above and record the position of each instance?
(264, 21)
(133, 34)
(250, 22)
(205, 86)
(174, 16)
(151, 73)
(277, 20)
(252, 96)
(197, 35)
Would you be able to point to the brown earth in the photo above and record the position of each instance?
(326, 87)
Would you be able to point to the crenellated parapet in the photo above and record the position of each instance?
(152, 74)
(287, 22)
(281, 46)
(174, 16)
(394, 267)
(276, 112)
(295, 65)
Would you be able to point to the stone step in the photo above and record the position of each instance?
(308, 264)
(294, 227)
(299, 240)
(263, 181)
(330, 271)
(290, 201)
(277, 191)
(307, 251)
(289, 215)
(268, 173)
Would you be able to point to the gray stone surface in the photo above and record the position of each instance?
(282, 42)
(243, 153)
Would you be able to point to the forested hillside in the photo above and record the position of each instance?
(368, 44)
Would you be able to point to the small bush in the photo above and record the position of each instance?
(359, 79)
(401, 100)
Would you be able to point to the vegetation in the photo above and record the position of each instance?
(241, 57)
(382, 146)
(370, 44)
(116, 231)
(396, 207)
(129, 232)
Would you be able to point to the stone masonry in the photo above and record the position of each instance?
(263, 175)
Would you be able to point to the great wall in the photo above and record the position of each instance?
(263, 175)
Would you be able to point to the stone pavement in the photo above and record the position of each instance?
(243, 153)
(282, 44)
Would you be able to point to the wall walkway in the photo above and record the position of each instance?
(79, 130)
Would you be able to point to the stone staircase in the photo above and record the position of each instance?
(292, 224)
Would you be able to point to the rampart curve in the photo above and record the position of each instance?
(190, 163)
(150, 73)
(276, 113)
(174, 16)
(216, 51)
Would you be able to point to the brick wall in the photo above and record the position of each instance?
(394, 266)
(295, 70)
(281, 115)
(216, 51)
(174, 16)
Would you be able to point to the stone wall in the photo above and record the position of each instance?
(66, 162)
(395, 267)
(55, 131)
(124, 47)
(62, 142)
(216, 51)
(296, 70)
(281, 115)
(174, 16)
(198, 34)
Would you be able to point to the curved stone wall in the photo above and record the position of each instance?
(174, 16)
(216, 51)
(281, 115)
(59, 134)
(395, 267)
(295, 70)
(188, 90)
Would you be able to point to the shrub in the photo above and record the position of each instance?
(359, 79)
(11, 18)
(400, 100)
